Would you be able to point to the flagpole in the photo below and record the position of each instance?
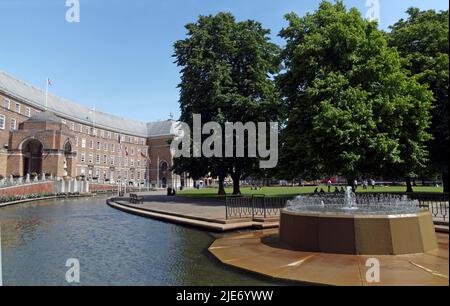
(46, 94)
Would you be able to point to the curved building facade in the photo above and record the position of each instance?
(62, 138)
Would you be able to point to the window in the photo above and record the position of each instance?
(111, 160)
(102, 134)
(97, 173)
(125, 162)
(119, 148)
(2, 122)
(64, 121)
(105, 159)
(28, 113)
(139, 163)
(6, 103)
(91, 158)
(88, 130)
(119, 161)
(80, 128)
(109, 135)
(132, 151)
(98, 145)
(94, 132)
(112, 148)
(83, 142)
(105, 174)
(76, 141)
(105, 147)
(91, 144)
(72, 126)
(129, 138)
(98, 159)
(83, 157)
(13, 124)
(139, 175)
(132, 162)
(17, 108)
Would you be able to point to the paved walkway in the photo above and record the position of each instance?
(204, 213)
(213, 209)
(261, 252)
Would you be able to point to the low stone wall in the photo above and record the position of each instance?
(101, 187)
(36, 188)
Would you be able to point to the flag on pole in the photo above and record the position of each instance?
(48, 83)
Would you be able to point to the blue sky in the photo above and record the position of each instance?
(119, 57)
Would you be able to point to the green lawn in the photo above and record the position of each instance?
(292, 191)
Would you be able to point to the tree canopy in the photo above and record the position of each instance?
(227, 68)
(352, 109)
(422, 41)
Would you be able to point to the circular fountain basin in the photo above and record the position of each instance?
(357, 232)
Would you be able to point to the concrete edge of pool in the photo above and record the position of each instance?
(262, 253)
(202, 223)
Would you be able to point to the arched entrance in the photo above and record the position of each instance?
(163, 167)
(32, 157)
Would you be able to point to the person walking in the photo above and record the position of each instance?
(329, 185)
(372, 183)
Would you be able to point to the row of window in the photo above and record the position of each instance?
(105, 174)
(106, 147)
(105, 134)
(17, 107)
(111, 160)
(12, 123)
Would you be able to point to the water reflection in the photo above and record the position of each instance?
(113, 248)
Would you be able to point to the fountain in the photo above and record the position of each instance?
(367, 224)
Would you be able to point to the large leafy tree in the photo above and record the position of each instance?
(422, 41)
(352, 110)
(226, 76)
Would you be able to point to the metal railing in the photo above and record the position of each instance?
(266, 207)
(254, 206)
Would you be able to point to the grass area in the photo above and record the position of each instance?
(292, 191)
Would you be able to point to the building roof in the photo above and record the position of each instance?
(82, 114)
(45, 116)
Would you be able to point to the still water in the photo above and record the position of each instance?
(113, 248)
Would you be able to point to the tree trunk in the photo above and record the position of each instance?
(409, 188)
(445, 181)
(221, 185)
(236, 184)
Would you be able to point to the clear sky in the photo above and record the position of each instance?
(118, 58)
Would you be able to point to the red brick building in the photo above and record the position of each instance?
(62, 138)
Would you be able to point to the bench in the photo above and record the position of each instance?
(135, 199)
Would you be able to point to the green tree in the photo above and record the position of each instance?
(226, 76)
(352, 110)
(422, 41)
